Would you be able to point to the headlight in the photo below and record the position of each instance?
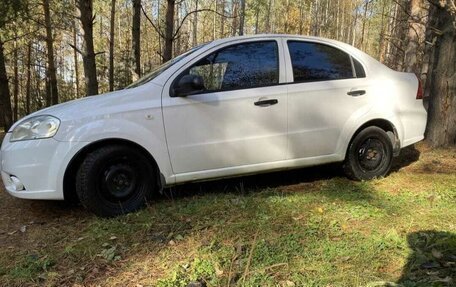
(39, 127)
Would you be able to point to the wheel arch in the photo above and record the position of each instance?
(385, 125)
(69, 178)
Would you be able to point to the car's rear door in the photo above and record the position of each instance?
(241, 117)
(327, 87)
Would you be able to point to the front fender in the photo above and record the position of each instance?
(144, 130)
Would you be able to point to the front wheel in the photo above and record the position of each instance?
(369, 155)
(114, 180)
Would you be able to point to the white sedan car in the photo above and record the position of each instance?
(230, 107)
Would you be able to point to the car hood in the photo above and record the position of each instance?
(104, 104)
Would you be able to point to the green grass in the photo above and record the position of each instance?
(285, 229)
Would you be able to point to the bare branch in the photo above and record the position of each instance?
(152, 23)
(197, 11)
(20, 36)
(76, 49)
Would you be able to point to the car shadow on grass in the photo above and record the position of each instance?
(432, 261)
(280, 179)
(407, 156)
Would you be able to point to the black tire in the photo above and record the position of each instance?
(369, 155)
(115, 180)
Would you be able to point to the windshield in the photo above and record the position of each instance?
(163, 67)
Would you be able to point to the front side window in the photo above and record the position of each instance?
(318, 62)
(240, 66)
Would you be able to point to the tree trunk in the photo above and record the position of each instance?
(51, 71)
(441, 129)
(366, 5)
(136, 36)
(234, 14)
(15, 83)
(382, 48)
(195, 26)
(29, 78)
(415, 37)
(268, 17)
(242, 18)
(257, 18)
(88, 54)
(75, 57)
(111, 46)
(222, 20)
(169, 30)
(5, 98)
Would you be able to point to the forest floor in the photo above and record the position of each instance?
(308, 227)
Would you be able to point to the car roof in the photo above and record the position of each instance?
(275, 36)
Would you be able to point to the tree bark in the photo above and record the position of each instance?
(222, 19)
(5, 98)
(51, 71)
(366, 5)
(441, 129)
(268, 17)
(136, 36)
(111, 46)
(75, 57)
(29, 78)
(195, 26)
(169, 30)
(415, 37)
(242, 18)
(88, 54)
(15, 83)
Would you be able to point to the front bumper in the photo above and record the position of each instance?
(39, 164)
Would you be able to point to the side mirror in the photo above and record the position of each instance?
(189, 85)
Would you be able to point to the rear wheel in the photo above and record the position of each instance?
(114, 180)
(369, 155)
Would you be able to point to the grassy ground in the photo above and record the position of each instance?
(310, 227)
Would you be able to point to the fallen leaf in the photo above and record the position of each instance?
(218, 272)
(437, 254)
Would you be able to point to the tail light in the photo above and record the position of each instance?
(419, 93)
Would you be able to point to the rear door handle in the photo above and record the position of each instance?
(356, 93)
(266, 103)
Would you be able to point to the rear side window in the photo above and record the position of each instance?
(241, 66)
(318, 62)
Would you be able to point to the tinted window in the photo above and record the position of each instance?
(317, 62)
(239, 66)
(359, 69)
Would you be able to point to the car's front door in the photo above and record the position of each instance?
(238, 119)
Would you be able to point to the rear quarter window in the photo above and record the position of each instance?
(360, 73)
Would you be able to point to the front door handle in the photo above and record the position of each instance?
(266, 103)
(356, 93)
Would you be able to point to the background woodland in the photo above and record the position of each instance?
(54, 51)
